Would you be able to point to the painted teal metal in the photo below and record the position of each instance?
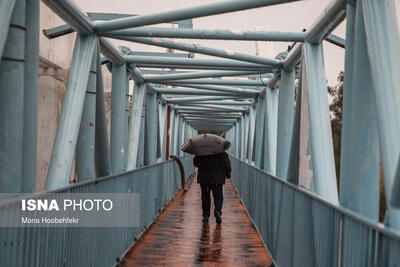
(270, 131)
(118, 92)
(32, 14)
(12, 80)
(150, 137)
(211, 34)
(91, 246)
(199, 49)
(102, 143)
(71, 113)
(360, 158)
(193, 75)
(241, 82)
(310, 230)
(6, 11)
(84, 154)
(138, 96)
(382, 40)
(285, 122)
(181, 14)
(324, 175)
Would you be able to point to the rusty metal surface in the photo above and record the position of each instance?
(179, 238)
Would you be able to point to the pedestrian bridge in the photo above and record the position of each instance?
(284, 203)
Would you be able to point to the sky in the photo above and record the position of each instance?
(292, 17)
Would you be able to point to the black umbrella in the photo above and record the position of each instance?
(206, 144)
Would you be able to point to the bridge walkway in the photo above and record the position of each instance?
(179, 238)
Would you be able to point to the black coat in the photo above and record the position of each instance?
(213, 169)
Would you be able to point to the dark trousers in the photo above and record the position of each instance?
(206, 201)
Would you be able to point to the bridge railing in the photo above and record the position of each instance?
(88, 246)
(300, 228)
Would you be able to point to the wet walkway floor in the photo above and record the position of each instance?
(179, 238)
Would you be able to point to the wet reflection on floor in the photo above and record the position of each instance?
(179, 238)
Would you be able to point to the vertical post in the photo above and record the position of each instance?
(324, 177)
(135, 125)
(246, 136)
(163, 119)
(140, 154)
(71, 113)
(12, 103)
(252, 122)
(102, 145)
(285, 121)
(260, 118)
(382, 40)
(242, 136)
(126, 124)
(118, 92)
(6, 11)
(360, 147)
(271, 121)
(84, 159)
(168, 141)
(30, 95)
(237, 139)
(175, 133)
(150, 139)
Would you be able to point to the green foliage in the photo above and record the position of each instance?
(336, 109)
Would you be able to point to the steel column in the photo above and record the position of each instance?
(285, 122)
(6, 11)
(271, 129)
(324, 176)
(259, 122)
(162, 117)
(118, 93)
(360, 157)
(12, 77)
(382, 39)
(150, 139)
(84, 154)
(102, 143)
(30, 94)
(71, 113)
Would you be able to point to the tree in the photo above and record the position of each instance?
(336, 109)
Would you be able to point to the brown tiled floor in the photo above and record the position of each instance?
(179, 238)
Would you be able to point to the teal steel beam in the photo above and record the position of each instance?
(239, 82)
(324, 175)
(218, 65)
(71, 14)
(150, 139)
(224, 116)
(6, 11)
(222, 102)
(225, 89)
(198, 98)
(118, 92)
(198, 92)
(285, 122)
(200, 49)
(336, 40)
(360, 159)
(102, 143)
(126, 124)
(252, 122)
(12, 78)
(208, 109)
(271, 126)
(193, 75)
(32, 16)
(135, 121)
(71, 113)
(332, 16)
(110, 52)
(382, 40)
(186, 13)
(194, 62)
(216, 107)
(66, 29)
(84, 153)
(212, 34)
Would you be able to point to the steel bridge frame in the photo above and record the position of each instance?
(269, 132)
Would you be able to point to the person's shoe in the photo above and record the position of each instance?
(205, 219)
(218, 219)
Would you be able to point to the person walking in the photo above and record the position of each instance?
(212, 171)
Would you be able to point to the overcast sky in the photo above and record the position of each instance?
(286, 17)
